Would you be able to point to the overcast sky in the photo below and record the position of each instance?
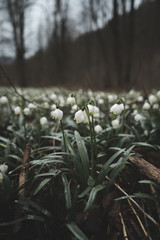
(36, 30)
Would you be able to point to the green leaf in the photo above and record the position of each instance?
(106, 168)
(41, 185)
(143, 144)
(67, 193)
(92, 196)
(28, 217)
(137, 195)
(116, 170)
(85, 192)
(76, 231)
(75, 157)
(83, 154)
(149, 182)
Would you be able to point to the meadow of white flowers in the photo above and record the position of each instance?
(79, 136)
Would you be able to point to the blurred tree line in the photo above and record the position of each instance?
(120, 46)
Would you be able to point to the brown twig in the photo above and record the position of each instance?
(123, 226)
(135, 203)
(24, 171)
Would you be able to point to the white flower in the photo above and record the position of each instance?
(117, 108)
(146, 106)
(131, 92)
(71, 100)
(61, 101)
(17, 110)
(4, 100)
(152, 99)
(32, 106)
(74, 108)
(110, 98)
(138, 117)
(3, 168)
(135, 112)
(93, 110)
(98, 128)
(43, 121)
(140, 99)
(27, 111)
(155, 106)
(81, 116)
(45, 105)
(126, 106)
(90, 108)
(115, 123)
(158, 94)
(146, 132)
(100, 101)
(53, 106)
(57, 114)
(53, 97)
(134, 105)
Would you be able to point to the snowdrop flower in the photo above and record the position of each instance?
(81, 116)
(57, 114)
(98, 128)
(53, 97)
(126, 106)
(158, 94)
(4, 100)
(45, 105)
(146, 106)
(138, 117)
(117, 108)
(3, 168)
(53, 106)
(27, 111)
(134, 105)
(146, 132)
(100, 101)
(155, 106)
(131, 92)
(90, 108)
(43, 121)
(110, 98)
(61, 101)
(135, 112)
(152, 99)
(90, 93)
(115, 123)
(32, 106)
(17, 110)
(140, 99)
(74, 108)
(71, 100)
(93, 110)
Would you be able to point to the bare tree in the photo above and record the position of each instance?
(116, 42)
(60, 37)
(130, 44)
(16, 11)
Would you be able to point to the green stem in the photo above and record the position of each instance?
(123, 119)
(94, 139)
(64, 142)
(92, 151)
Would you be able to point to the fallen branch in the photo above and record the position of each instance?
(146, 168)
